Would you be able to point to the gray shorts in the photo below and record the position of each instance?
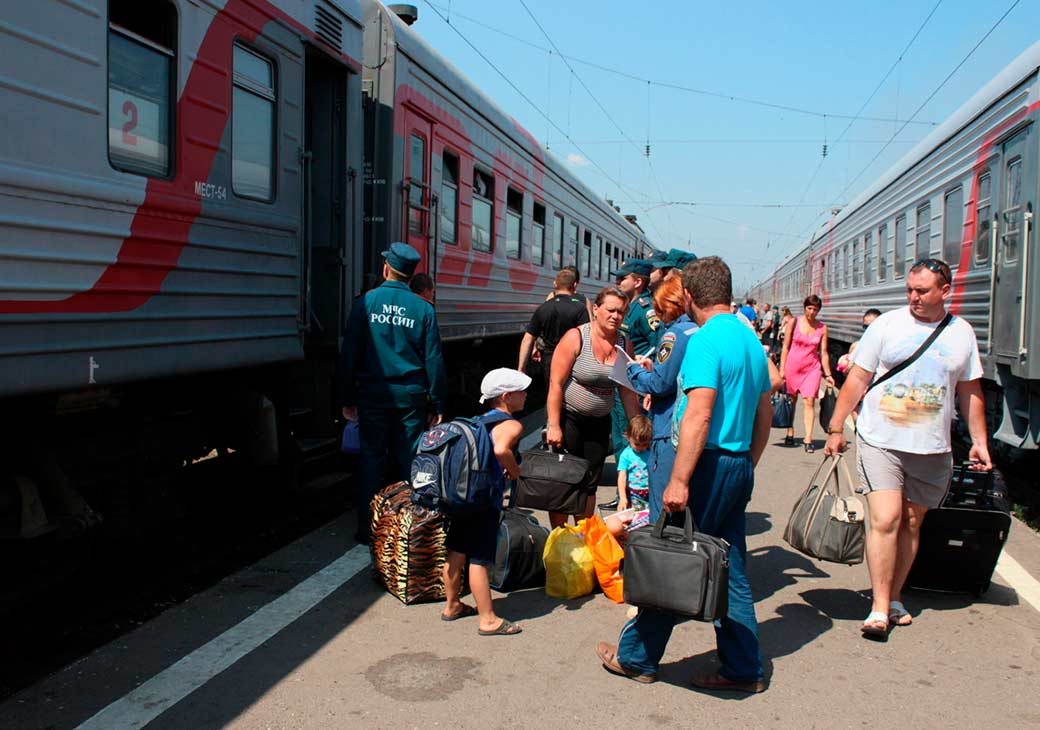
(922, 478)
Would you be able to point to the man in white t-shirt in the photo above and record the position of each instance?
(903, 450)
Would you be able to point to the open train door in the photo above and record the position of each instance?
(1012, 284)
(418, 197)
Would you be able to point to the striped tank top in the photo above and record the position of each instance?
(589, 391)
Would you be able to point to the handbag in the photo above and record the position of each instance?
(553, 481)
(828, 403)
(827, 521)
(783, 411)
(677, 570)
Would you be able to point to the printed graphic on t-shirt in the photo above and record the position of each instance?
(919, 395)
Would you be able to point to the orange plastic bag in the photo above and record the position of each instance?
(606, 557)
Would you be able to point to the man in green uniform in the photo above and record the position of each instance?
(640, 327)
(391, 376)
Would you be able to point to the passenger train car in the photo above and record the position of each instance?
(192, 192)
(964, 194)
(460, 180)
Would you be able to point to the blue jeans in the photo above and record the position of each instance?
(719, 492)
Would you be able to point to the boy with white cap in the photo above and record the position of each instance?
(475, 535)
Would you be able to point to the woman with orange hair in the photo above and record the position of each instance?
(657, 377)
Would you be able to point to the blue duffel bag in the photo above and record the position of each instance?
(783, 411)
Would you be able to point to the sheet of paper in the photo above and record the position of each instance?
(619, 373)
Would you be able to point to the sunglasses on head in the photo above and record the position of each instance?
(935, 266)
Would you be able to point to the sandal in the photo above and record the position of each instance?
(810, 447)
(465, 612)
(506, 628)
(898, 615)
(875, 626)
(788, 440)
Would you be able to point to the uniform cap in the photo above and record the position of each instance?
(402, 257)
(501, 381)
(681, 258)
(634, 266)
(623, 271)
(661, 260)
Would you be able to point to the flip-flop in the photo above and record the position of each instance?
(466, 612)
(875, 626)
(898, 615)
(506, 628)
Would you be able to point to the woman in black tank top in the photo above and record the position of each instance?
(581, 393)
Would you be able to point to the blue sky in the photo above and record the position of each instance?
(729, 157)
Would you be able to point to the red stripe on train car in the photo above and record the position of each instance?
(141, 267)
(971, 220)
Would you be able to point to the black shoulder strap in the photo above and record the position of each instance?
(920, 351)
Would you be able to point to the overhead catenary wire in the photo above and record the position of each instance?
(857, 117)
(678, 87)
(602, 108)
(534, 106)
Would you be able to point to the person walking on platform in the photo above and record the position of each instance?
(657, 376)
(903, 454)
(723, 421)
(803, 357)
(391, 377)
(554, 318)
(640, 327)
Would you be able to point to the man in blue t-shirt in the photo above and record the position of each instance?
(722, 422)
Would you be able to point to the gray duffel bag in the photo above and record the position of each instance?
(827, 521)
(677, 570)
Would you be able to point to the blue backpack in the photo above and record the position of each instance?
(454, 469)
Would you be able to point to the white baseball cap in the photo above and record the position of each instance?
(501, 381)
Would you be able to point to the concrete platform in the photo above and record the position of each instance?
(305, 639)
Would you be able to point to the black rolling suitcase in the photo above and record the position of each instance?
(962, 539)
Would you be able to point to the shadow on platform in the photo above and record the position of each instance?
(773, 568)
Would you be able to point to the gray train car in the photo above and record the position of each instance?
(964, 194)
(493, 214)
(178, 227)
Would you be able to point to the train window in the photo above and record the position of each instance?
(252, 125)
(483, 210)
(868, 272)
(558, 241)
(587, 254)
(983, 216)
(857, 264)
(1013, 210)
(449, 202)
(953, 226)
(416, 185)
(597, 253)
(882, 252)
(514, 216)
(899, 253)
(847, 269)
(923, 232)
(572, 244)
(141, 62)
(538, 235)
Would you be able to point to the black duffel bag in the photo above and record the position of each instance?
(553, 481)
(677, 570)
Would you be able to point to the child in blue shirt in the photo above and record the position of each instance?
(633, 474)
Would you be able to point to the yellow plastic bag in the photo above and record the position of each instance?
(569, 571)
(606, 558)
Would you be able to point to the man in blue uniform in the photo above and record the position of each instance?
(391, 375)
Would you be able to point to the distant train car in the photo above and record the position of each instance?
(176, 225)
(964, 194)
(493, 214)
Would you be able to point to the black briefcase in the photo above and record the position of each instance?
(962, 539)
(677, 570)
(553, 481)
